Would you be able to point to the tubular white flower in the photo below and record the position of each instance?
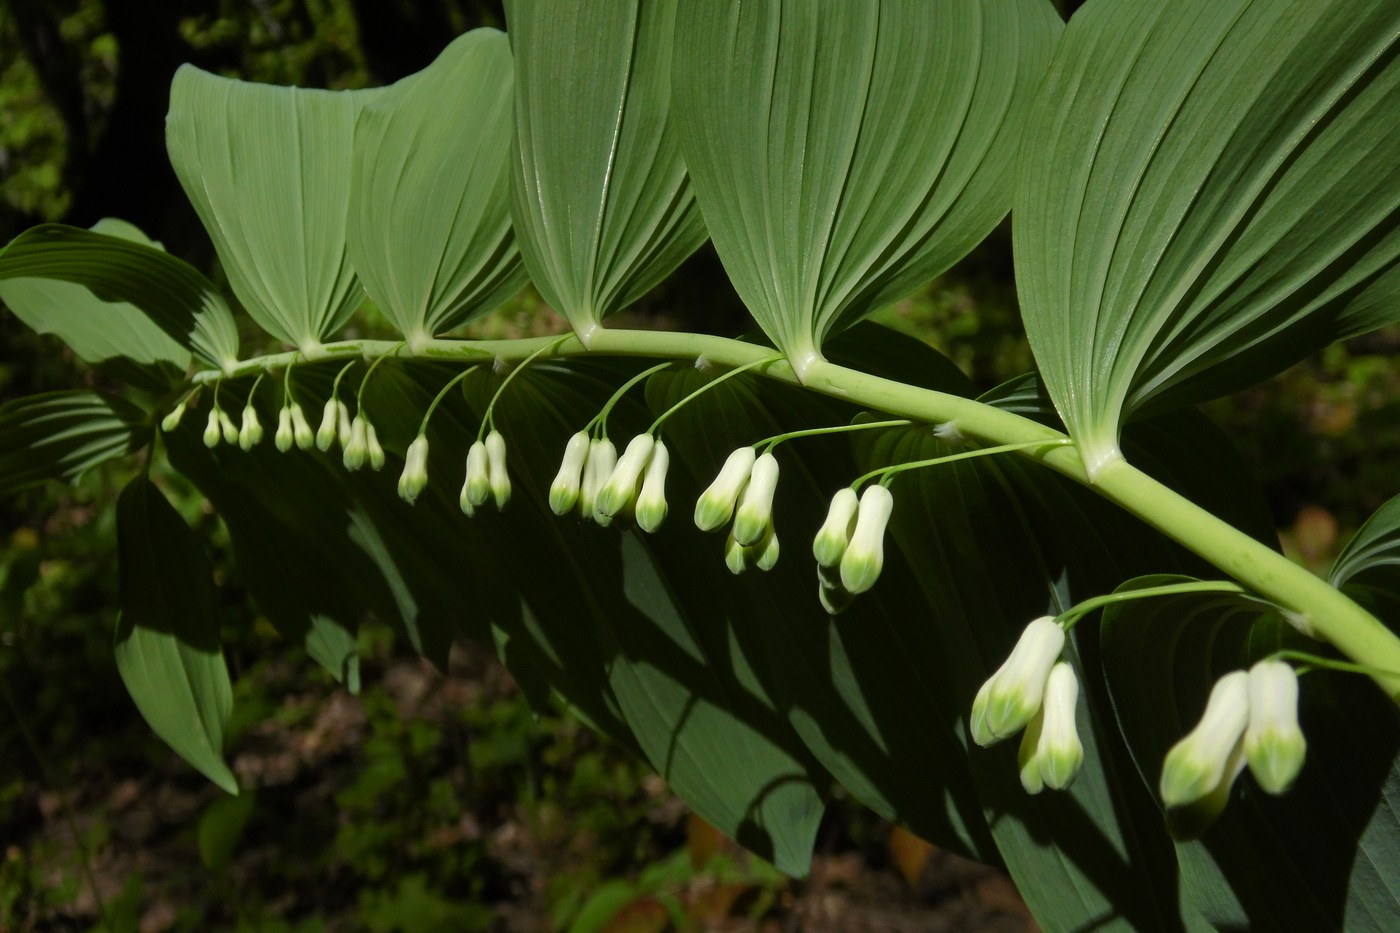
(282, 438)
(1273, 741)
(563, 492)
(212, 434)
(736, 556)
(172, 419)
(765, 552)
(835, 533)
(372, 448)
(864, 557)
(620, 488)
(1013, 694)
(716, 503)
(250, 432)
(230, 430)
(496, 472)
(355, 452)
(327, 433)
(1051, 751)
(754, 516)
(343, 425)
(477, 487)
(301, 431)
(602, 457)
(651, 501)
(414, 477)
(1198, 764)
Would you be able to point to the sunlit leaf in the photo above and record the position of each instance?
(1208, 192)
(167, 644)
(603, 209)
(429, 230)
(120, 268)
(845, 153)
(269, 171)
(59, 435)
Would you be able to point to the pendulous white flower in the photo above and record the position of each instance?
(301, 430)
(172, 419)
(736, 556)
(716, 503)
(1209, 757)
(344, 426)
(477, 486)
(651, 500)
(326, 434)
(355, 452)
(212, 433)
(373, 451)
(620, 488)
(1051, 751)
(765, 552)
(282, 438)
(1014, 694)
(563, 492)
(498, 477)
(835, 533)
(414, 477)
(1273, 741)
(754, 515)
(250, 433)
(602, 457)
(864, 557)
(229, 429)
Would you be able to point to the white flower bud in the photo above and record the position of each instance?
(1273, 741)
(602, 457)
(251, 431)
(229, 429)
(212, 434)
(620, 488)
(282, 438)
(497, 475)
(414, 477)
(326, 433)
(736, 556)
(353, 456)
(651, 501)
(1051, 752)
(172, 420)
(477, 487)
(301, 431)
(765, 552)
(716, 504)
(864, 557)
(563, 492)
(835, 532)
(1200, 763)
(343, 424)
(372, 448)
(754, 516)
(1013, 694)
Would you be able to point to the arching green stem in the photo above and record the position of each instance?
(661, 419)
(887, 474)
(600, 420)
(489, 421)
(768, 443)
(1071, 616)
(423, 425)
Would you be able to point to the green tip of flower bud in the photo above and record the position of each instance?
(282, 438)
(620, 489)
(754, 516)
(212, 432)
(651, 501)
(1197, 765)
(864, 557)
(229, 429)
(835, 532)
(1274, 744)
(497, 476)
(1013, 694)
(736, 556)
(414, 477)
(765, 552)
(373, 450)
(357, 449)
(564, 491)
(301, 430)
(327, 433)
(172, 420)
(716, 503)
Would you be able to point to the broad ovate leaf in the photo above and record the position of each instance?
(268, 170)
(429, 231)
(845, 153)
(167, 644)
(1208, 192)
(117, 267)
(1368, 568)
(603, 208)
(59, 435)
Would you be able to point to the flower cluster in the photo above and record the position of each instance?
(1037, 691)
(850, 545)
(1251, 718)
(486, 474)
(743, 490)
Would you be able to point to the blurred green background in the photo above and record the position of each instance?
(434, 800)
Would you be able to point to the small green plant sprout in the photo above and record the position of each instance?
(1051, 751)
(1274, 744)
(1014, 694)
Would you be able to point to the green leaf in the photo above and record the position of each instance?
(1208, 192)
(1368, 568)
(603, 209)
(120, 268)
(269, 169)
(844, 154)
(429, 232)
(96, 330)
(59, 435)
(167, 642)
(1320, 857)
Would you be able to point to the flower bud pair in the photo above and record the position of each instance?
(1012, 696)
(762, 554)
(414, 478)
(250, 433)
(637, 482)
(335, 425)
(487, 476)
